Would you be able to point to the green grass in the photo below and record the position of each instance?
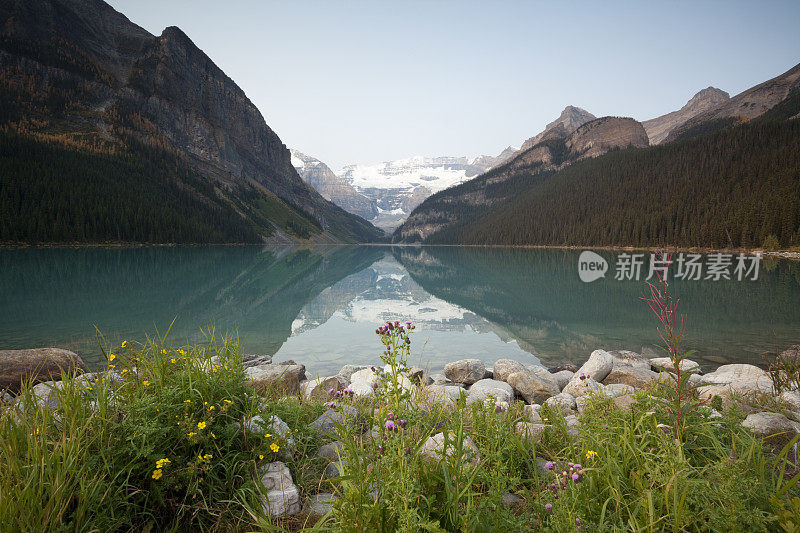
(92, 463)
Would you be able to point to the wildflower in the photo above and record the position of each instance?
(35, 431)
(192, 434)
(274, 447)
(227, 401)
(111, 366)
(389, 425)
(549, 507)
(549, 465)
(260, 456)
(145, 383)
(267, 435)
(124, 371)
(201, 425)
(575, 477)
(163, 351)
(124, 343)
(578, 522)
(187, 401)
(207, 457)
(89, 388)
(111, 357)
(211, 408)
(162, 462)
(212, 435)
(590, 454)
(157, 473)
(173, 360)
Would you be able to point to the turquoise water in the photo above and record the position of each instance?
(320, 306)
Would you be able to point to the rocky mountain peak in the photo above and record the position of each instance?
(570, 119)
(709, 98)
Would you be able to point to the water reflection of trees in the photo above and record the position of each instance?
(537, 296)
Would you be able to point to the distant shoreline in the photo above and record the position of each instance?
(792, 253)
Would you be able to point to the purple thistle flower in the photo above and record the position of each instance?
(331, 391)
(403, 423)
(389, 425)
(549, 507)
(332, 405)
(575, 477)
(578, 522)
(549, 465)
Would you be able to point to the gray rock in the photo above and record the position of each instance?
(449, 394)
(320, 505)
(530, 430)
(624, 402)
(328, 422)
(36, 365)
(665, 364)
(331, 451)
(559, 368)
(580, 387)
(249, 360)
(274, 426)
(544, 374)
(791, 397)
(627, 358)
(45, 394)
(488, 373)
(347, 371)
(334, 469)
(319, 389)
(774, 427)
(563, 403)
(562, 377)
(7, 399)
(483, 389)
(511, 500)
(284, 378)
(362, 389)
(617, 389)
(365, 375)
(283, 498)
(466, 371)
(439, 379)
(531, 387)
(598, 366)
(532, 413)
(573, 425)
(635, 376)
(437, 448)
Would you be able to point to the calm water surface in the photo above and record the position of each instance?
(320, 306)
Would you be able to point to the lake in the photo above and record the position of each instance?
(320, 306)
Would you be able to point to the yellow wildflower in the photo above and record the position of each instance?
(173, 360)
(89, 388)
(192, 433)
(157, 473)
(35, 431)
(213, 436)
(163, 351)
(267, 435)
(260, 456)
(111, 357)
(145, 383)
(201, 425)
(186, 401)
(590, 454)
(124, 371)
(211, 408)
(274, 447)
(161, 462)
(111, 366)
(208, 456)
(227, 401)
(124, 343)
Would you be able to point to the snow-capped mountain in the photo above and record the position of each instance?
(385, 193)
(401, 185)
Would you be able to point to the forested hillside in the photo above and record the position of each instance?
(739, 186)
(110, 133)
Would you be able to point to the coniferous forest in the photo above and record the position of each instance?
(736, 187)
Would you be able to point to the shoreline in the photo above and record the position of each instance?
(791, 253)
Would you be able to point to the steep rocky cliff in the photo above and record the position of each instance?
(79, 70)
(332, 187)
(571, 119)
(709, 98)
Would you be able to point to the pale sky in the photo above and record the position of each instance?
(364, 82)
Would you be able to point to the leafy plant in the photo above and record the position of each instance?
(680, 395)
